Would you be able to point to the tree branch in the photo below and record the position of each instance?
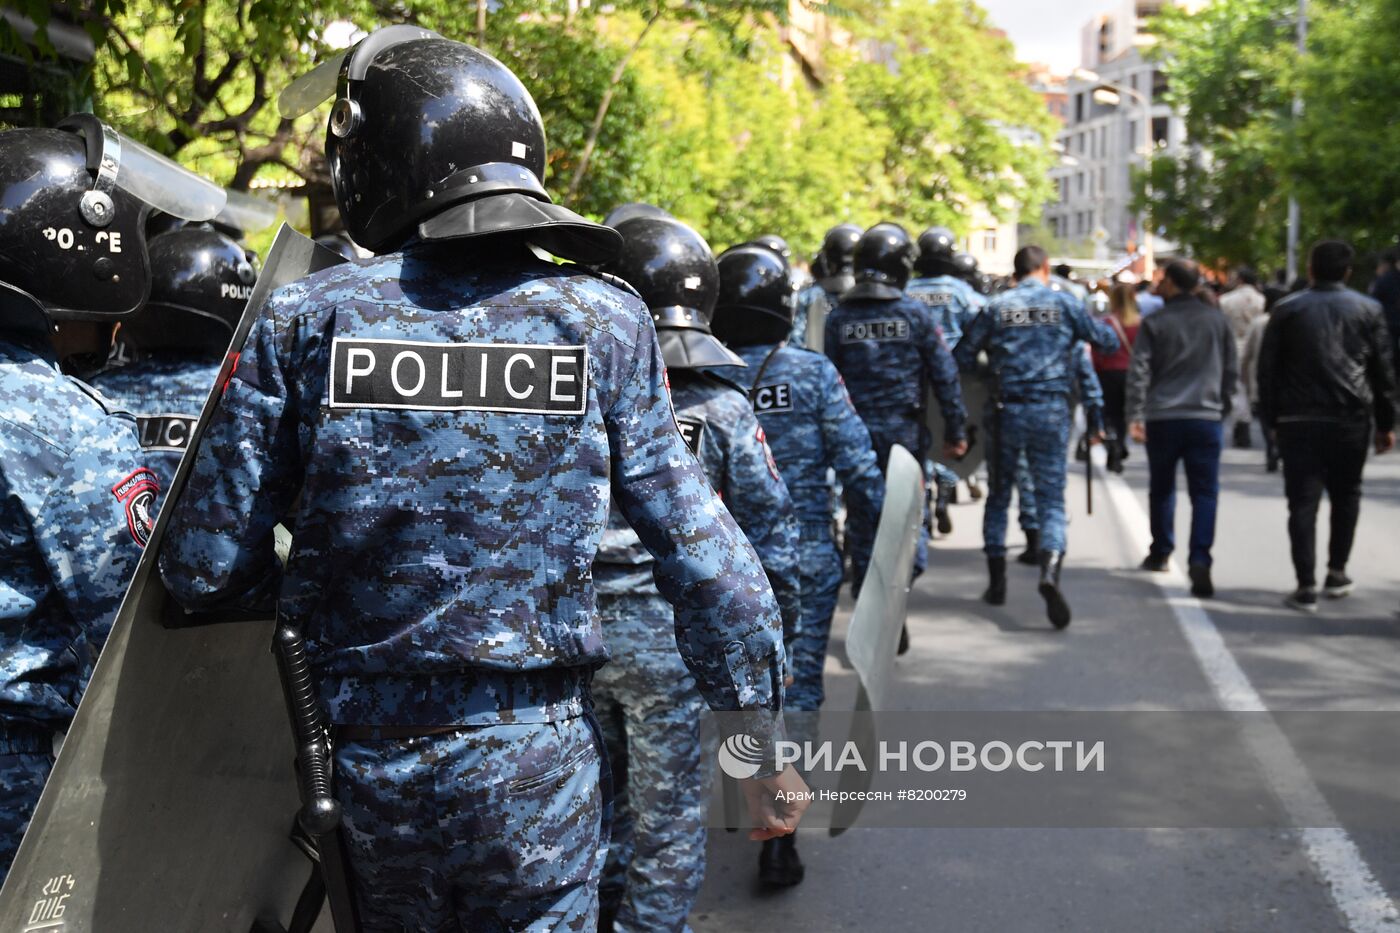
(597, 128)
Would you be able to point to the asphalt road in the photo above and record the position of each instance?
(1128, 649)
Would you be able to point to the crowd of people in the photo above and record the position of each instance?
(544, 515)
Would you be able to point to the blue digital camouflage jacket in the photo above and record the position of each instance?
(443, 444)
(954, 303)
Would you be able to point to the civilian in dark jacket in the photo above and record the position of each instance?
(1183, 372)
(1325, 385)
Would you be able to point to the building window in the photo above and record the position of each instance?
(1103, 141)
(1080, 183)
(1103, 180)
(1079, 108)
(1159, 84)
(1160, 131)
(989, 241)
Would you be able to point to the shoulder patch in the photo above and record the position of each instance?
(534, 379)
(137, 494)
(768, 454)
(861, 331)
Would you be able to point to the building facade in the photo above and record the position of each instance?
(1112, 105)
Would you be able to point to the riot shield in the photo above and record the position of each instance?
(817, 314)
(879, 614)
(170, 805)
(976, 394)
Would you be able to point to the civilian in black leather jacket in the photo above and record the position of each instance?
(1325, 385)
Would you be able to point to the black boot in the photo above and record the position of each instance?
(1031, 555)
(996, 589)
(1242, 438)
(778, 863)
(1056, 609)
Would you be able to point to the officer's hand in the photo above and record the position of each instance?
(1385, 440)
(1138, 430)
(955, 451)
(776, 804)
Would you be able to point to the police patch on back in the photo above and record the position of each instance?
(693, 433)
(774, 398)
(1030, 317)
(536, 379)
(164, 432)
(860, 331)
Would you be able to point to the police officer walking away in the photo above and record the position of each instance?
(812, 427)
(173, 347)
(79, 501)
(656, 859)
(1030, 334)
(834, 275)
(888, 348)
(443, 427)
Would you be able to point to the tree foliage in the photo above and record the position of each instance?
(1234, 71)
(701, 107)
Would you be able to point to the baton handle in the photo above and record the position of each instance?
(320, 811)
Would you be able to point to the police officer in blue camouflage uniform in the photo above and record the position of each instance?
(443, 427)
(171, 350)
(647, 700)
(1031, 335)
(888, 348)
(939, 282)
(78, 499)
(813, 429)
(834, 274)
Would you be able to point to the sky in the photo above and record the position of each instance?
(1045, 30)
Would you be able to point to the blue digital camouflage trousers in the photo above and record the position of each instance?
(650, 713)
(821, 583)
(909, 433)
(490, 828)
(22, 778)
(1039, 433)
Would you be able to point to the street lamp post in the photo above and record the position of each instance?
(1111, 94)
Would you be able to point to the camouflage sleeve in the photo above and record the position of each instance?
(758, 499)
(974, 338)
(943, 376)
(1101, 335)
(728, 629)
(218, 549)
(93, 525)
(848, 446)
(1090, 390)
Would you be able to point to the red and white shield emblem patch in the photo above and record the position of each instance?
(768, 454)
(137, 494)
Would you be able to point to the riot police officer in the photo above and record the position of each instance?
(445, 424)
(813, 428)
(939, 283)
(656, 859)
(171, 350)
(888, 348)
(834, 275)
(1028, 333)
(80, 501)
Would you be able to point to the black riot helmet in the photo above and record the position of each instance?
(200, 283)
(672, 268)
(340, 244)
(625, 212)
(837, 256)
(755, 302)
(937, 246)
(74, 204)
(884, 259)
(434, 139)
(777, 244)
(965, 268)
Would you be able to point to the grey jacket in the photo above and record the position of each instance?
(1184, 364)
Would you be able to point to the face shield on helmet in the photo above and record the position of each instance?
(73, 214)
(435, 140)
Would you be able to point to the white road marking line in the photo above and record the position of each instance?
(1358, 896)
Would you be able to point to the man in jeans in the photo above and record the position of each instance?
(1324, 375)
(1182, 374)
